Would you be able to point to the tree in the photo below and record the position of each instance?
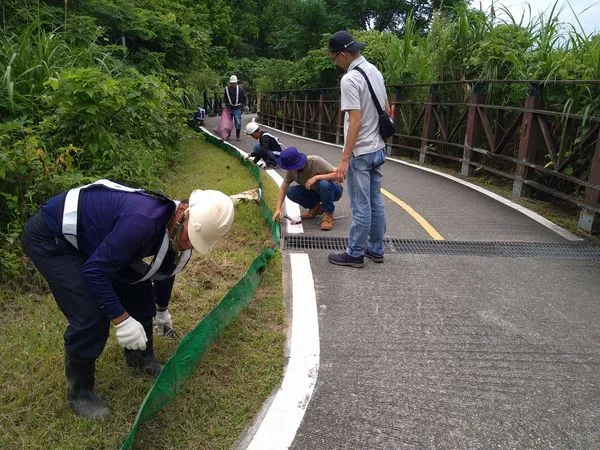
(294, 27)
(385, 15)
(245, 16)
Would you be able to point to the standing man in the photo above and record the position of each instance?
(268, 148)
(234, 100)
(89, 244)
(364, 151)
(317, 186)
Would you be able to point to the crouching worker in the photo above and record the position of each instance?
(268, 148)
(317, 189)
(89, 243)
(199, 116)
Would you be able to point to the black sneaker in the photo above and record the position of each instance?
(373, 257)
(344, 259)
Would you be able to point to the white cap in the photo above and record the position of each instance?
(210, 217)
(233, 79)
(252, 127)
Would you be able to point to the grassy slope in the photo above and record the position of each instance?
(231, 383)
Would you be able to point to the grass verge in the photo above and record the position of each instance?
(232, 381)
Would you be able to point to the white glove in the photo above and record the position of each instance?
(163, 323)
(131, 334)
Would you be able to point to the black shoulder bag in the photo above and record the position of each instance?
(387, 127)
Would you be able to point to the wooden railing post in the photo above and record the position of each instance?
(428, 123)
(305, 113)
(320, 118)
(589, 218)
(528, 142)
(394, 114)
(274, 106)
(285, 111)
(280, 103)
(339, 127)
(266, 108)
(473, 131)
(294, 113)
(269, 109)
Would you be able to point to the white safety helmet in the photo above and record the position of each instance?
(252, 127)
(233, 79)
(210, 217)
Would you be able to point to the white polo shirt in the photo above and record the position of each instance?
(355, 95)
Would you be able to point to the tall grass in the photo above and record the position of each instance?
(29, 59)
(464, 43)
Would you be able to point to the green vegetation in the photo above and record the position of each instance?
(101, 88)
(466, 44)
(233, 379)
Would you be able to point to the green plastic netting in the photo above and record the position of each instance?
(182, 364)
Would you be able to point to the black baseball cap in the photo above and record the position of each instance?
(342, 41)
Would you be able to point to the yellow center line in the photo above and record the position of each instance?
(415, 215)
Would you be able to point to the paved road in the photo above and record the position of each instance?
(452, 351)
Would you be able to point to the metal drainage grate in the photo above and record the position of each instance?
(410, 246)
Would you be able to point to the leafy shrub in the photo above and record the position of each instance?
(315, 70)
(125, 127)
(271, 74)
(27, 175)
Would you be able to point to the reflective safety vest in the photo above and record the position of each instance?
(281, 148)
(237, 96)
(147, 271)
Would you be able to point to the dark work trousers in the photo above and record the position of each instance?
(60, 263)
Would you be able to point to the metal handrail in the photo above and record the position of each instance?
(458, 82)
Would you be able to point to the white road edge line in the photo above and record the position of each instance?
(281, 421)
(532, 215)
(280, 424)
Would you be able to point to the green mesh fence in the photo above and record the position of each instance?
(182, 364)
(265, 212)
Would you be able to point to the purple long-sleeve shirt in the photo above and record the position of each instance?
(114, 229)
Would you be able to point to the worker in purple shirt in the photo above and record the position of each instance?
(89, 244)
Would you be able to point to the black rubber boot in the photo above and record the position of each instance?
(237, 134)
(80, 389)
(144, 360)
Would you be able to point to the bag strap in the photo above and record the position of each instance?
(373, 96)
